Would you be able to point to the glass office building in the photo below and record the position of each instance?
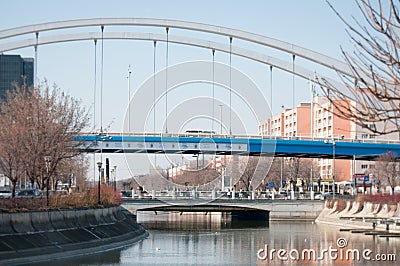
(14, 69)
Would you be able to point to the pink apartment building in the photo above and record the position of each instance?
(317, 120)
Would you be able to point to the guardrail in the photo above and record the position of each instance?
(212, 195)
(208, 135)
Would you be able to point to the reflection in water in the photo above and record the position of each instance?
(217, 239)
(195, 221)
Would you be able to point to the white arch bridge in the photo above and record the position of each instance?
(25, 39)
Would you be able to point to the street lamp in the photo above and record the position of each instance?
(115, 178)
(47, 160)
(197, 160)
(99, 164)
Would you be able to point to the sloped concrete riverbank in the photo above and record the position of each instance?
(27, 237)
(365, 215)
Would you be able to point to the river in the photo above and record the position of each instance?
(219, 239)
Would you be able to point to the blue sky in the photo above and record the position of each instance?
(308, 23)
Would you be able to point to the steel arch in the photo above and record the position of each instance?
(179, 24)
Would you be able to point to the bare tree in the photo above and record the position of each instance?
(388, 168)
(11, 150)
(41, 122)
(253, 171)
(373, 93)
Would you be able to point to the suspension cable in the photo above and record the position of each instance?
(36, 61)
(213, 89)
(129, 97)
(230, 86)
(101, 92)
(293, 81)
(95, 84)
(101, 79)
(270, 86)
(94, 107)
(154, 97)
(154, 87)
(166, 85)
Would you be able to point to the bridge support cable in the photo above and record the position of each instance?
(94, 107)
(293, 82)
(129, 98)
(230, 86)
(101, 90)
(154, 96)
(213, 89)
(272, 113)
(154, 86)
(35, 78)
(166, 85)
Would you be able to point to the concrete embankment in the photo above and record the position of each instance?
(366, 215)
(299, 210)
(44, 235)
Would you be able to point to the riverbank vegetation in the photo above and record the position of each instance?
(76, 200)
(37, 148)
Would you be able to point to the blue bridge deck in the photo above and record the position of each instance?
(254, 146)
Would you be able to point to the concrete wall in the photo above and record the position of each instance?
(296, 210)
(43, 235)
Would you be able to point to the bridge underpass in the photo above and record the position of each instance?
(275, 209)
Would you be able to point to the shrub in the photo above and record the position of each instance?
(87, 199)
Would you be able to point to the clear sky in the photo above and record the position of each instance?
(308, 23)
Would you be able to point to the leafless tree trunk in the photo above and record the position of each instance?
(373, 93)
(388, 168)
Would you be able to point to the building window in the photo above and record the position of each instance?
(364, 136)
(364, 166)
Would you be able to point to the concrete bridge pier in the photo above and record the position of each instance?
(193, 194)
(213, 194)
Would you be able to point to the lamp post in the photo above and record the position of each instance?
(99, 164)
(281, 185)
(197, 160)
(47, 160)
(115, 178)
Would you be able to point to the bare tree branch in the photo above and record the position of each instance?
(373, 92)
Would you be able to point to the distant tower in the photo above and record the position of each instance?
(12, 69)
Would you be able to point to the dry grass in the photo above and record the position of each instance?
(87, 199)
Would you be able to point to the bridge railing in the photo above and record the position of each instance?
(206, 195)
(209, 135)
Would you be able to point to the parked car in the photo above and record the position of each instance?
(5, 192)
(29, 193)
